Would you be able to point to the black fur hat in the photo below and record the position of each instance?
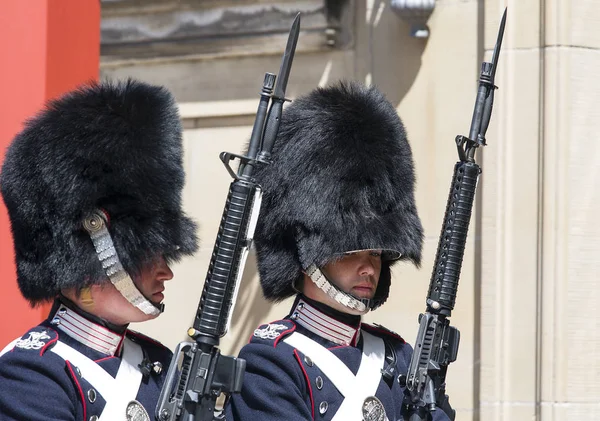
(341, 179)
(111, 145)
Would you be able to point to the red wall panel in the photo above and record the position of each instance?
(47, 47)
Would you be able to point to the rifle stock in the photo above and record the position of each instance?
(437, 342)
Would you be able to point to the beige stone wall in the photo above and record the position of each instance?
(540, 239)
(529, 290)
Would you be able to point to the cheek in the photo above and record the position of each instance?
(344, 278)
(336, 270)
(143, 283)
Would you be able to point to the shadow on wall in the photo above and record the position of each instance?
(387, 56)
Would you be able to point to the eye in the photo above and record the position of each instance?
(376, 253)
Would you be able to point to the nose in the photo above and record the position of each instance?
(366, 265)
(162, 271)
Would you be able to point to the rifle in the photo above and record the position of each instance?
(437, 342)
(198, 373)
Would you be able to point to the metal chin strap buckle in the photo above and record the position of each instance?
(94, 222)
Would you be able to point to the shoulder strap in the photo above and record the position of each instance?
(9, 347)
(337, 372)
(355, 389)
(92, 372)
(117, 392)
(126, 384)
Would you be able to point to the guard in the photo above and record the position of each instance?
(93, 189)
(338, 211)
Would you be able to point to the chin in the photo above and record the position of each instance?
(367, 296)
(347, 310)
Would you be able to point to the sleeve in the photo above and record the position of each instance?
(36, 387)
(274, 387)
(446, 413)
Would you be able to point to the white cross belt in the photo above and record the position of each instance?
(117, 392)
(355, 389)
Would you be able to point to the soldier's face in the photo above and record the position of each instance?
(356, 273)
(108, 303)
(151, 282)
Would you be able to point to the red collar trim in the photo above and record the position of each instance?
(87, 332)
(323, 325)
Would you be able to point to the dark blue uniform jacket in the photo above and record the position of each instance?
(38, 384)
(281, 383)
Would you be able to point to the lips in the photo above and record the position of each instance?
(363, 291)
(158, 296)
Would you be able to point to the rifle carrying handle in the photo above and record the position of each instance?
(451, 247)
(218, 291)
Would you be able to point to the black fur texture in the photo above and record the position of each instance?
(341, 179)
(110, 145)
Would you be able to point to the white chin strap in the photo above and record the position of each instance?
(360, 306)
(95, 225)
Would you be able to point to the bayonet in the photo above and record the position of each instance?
(286, 62)
(274, 117)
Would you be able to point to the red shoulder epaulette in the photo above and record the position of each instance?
(134, 335)
(378, 329)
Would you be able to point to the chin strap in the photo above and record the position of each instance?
(359, 305)
(95, 225)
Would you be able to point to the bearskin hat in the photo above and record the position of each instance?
(341, 179)
(116, 146)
